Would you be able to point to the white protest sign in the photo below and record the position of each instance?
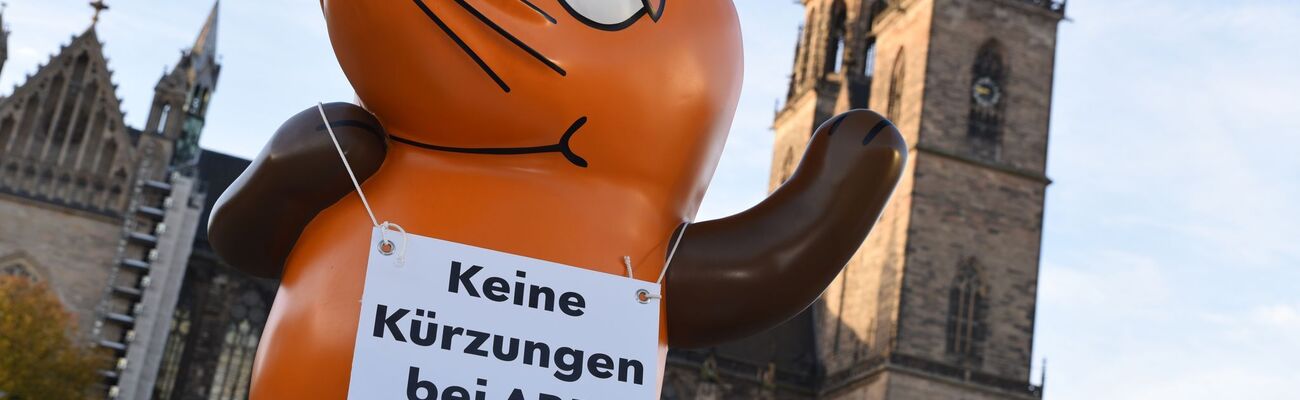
(467, 323)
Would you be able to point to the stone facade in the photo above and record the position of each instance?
(939, 303)
(104, 213)
(40, 237)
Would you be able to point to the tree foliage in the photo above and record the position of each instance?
(38, 357)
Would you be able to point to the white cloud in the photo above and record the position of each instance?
(1284, 316)
(1109, 282)
(1173, 149)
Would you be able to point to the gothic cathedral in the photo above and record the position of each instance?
(104, 213)
(939, 303)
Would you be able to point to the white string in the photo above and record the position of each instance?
(384, 227)
(672, 253)
(321, 107)
(642, 295)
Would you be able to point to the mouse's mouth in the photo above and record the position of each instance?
(561, 147)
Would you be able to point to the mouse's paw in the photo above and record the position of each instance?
(256, 222)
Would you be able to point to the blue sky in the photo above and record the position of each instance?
(1170, 268)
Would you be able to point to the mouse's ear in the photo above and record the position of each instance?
(655, 8)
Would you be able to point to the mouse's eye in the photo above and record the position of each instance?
(609, 15)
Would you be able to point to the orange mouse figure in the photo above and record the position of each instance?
(572, 131)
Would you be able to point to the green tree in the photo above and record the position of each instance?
(38, 357)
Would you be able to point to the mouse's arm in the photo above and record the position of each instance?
(258, 219)
(739, 275)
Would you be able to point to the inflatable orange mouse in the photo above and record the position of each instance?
(572, 131)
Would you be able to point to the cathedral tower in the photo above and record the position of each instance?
(181, 98)
(940, 301)
(175, 123)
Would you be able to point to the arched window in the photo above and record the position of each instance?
(987, 100)
(172, 354)
(70, 101)
(26, 126)
(967, 306)
(893, 108)
(235, 364)
(97, 133)
(106, 155)
(162, 118)
(79, 69)
(47, 118)
(83, 117)
(837, 61)
(869, 59)
(834, 39)
(6, 133)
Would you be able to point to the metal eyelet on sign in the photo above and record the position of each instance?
(386, 247)
(643, 296)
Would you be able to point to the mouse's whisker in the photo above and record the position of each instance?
(463, 46)
(512, 38)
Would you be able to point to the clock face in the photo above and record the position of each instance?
(986, 92)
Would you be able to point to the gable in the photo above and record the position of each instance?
(62, 133)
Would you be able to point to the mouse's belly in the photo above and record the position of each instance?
(306, 348)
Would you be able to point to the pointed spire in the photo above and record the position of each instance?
(207, 42)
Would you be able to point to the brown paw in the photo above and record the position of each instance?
(256, 222)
